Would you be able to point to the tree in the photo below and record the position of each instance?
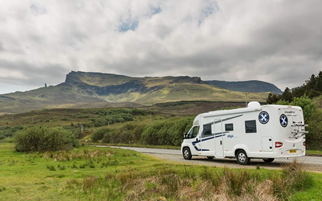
(307, 105)
(312, 88)
(287, 95)
(45, 85)
(272, 98)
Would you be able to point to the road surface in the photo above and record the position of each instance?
(311, 163)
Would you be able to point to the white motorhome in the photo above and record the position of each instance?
(263, 132)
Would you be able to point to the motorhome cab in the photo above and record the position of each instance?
(263, 132)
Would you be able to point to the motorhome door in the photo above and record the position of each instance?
(218, 134)
(207, 145)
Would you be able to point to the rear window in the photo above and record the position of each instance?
(250, 126)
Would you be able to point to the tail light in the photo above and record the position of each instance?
(278, 144)
(304, 143)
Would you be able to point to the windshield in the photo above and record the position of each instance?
(193, 132)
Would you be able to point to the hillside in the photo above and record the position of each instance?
(246, 86)
(82, 89)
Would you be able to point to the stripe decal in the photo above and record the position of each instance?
(196, 142)
(221, 134)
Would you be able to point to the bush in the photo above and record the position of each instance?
(305, 103)
(2, 136)
(99, 134)
(7, 131)
(166, 133)
(41, 138)
(314, 136)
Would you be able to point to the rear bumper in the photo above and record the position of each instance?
(289, 153)
(278, 154)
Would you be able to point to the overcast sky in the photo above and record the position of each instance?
(278, 41)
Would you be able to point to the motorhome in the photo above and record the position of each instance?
(260, 132)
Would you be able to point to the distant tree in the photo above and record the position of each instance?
(45, 85)
(287, 95)
(272, 98)
(312, 88)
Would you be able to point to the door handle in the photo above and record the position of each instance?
(220, 142)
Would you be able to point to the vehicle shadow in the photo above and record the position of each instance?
(233, 162)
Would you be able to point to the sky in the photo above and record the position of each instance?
(277, 41)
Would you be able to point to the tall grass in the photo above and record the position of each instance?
(189, 183)
(292, 179)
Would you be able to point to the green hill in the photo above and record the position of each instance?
(82, 89)
(246, 86)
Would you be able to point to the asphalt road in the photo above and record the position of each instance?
(311, 163)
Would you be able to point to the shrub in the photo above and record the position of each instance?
(314, 136)
(305, 103)
(99, 134)
(41, 138)
(7, 131)
(166, 133)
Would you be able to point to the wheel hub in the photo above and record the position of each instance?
(242, 157)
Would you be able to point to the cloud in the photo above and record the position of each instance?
(275, 41)
(23, 73)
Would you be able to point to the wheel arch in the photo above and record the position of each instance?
(184, 148)
(241, 147)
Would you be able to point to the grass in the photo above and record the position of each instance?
(313, 153)
(91, 173)
(138, 145)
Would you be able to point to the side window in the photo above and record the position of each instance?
(250, 126)
(229, 127)
(193, 132)
(206, 130)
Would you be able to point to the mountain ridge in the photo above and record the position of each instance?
(87, 89)
(255, 86)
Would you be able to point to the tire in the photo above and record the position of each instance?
(210, 157)
(242, 157)
(268, 160)
(186, 153)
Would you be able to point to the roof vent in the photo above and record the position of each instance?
(253, 104)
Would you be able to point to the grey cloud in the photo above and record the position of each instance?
(1, 47)
(33, 75)
(273, 41)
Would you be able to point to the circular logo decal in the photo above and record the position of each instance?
(283, 120)
(263, 117)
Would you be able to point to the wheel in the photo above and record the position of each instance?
(210, 157)
(268, 160)
(186, 153)
(242, 157)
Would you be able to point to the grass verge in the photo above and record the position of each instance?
(313, 153)
(91, 173)
(136, 145)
